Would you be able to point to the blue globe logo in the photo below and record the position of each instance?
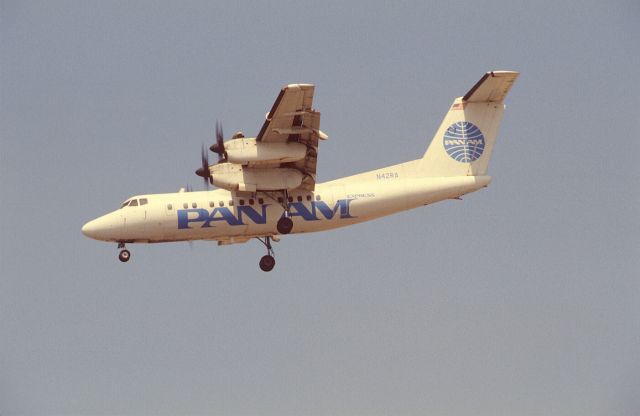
(464, 142)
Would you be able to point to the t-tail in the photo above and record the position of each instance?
(464, 142)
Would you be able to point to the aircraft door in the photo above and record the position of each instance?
(169, 209)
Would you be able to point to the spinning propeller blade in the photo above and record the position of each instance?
(203, 171)
(218, 146)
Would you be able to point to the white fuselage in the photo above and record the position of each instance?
(231, 217)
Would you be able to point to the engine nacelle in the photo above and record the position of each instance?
(247, 151)
(235, 177)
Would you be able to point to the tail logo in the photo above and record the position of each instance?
(464, 142)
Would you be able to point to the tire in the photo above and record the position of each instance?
(285, 225)
(124, 256)
(267, 263)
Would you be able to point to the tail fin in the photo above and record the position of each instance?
(463, 144)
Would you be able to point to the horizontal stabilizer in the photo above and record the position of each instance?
(492, 87)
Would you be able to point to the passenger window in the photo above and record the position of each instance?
(169, 207)
(212, 204)
(185, 205)
(134, 203)
(194, 205)
(241, 202)
(280, 200)
(231, 202)
(143, 201)
(260, 201)
(308, 197)
(290, 199)
(221, 203)
(251, 201)
(318, 198)
(299, 198)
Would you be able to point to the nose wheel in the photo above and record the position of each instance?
(125, 254)
(267, 262)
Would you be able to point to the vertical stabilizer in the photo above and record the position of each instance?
(464, 142)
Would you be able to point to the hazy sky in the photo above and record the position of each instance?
(522, 299)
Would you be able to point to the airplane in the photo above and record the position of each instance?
(267, 184)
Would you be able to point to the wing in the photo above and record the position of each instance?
(293, 119)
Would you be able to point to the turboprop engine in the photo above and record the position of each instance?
(248, 151)
(245, 164)
(235, 177)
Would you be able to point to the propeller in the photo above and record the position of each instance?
(218, 146)
(203, 171)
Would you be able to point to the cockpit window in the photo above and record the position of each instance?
(125, 203)
(134, 203)
(143, 201)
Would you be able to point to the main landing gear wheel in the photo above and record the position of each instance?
(284, 226)
(267, 263)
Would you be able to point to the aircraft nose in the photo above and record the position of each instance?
(91, 229)
(94, 228)
(103, 228)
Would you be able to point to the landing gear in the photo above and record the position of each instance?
(268, 262)
(285, 224)
(124, 255)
